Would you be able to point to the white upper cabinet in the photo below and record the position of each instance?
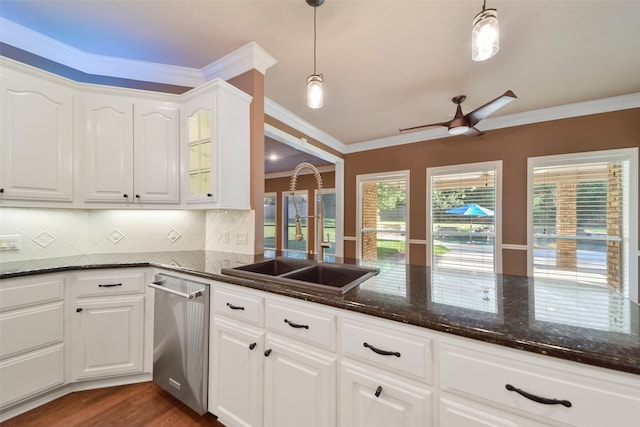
(216, 146)
(131, 150)
(36, 137)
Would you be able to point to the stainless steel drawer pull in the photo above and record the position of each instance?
(295, 325)
(234, 307)
(381, 352)
(109, 285)
(158, 286)
(543, 400)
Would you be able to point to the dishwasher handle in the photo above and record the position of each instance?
(158, 286)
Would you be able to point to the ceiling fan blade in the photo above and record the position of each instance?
(490, 107)
(425, 126)
(473, 132)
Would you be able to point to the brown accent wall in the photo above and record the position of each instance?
(252, 82)
(620, 129)
(305, 182)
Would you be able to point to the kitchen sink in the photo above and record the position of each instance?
(273, 267)
(336, 278)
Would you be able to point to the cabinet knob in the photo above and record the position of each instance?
(138, 196)
(267, 353)
(252, 345)
(126, 196)
(209, 195)
(378, 391)
(1, 190)
(78, 310)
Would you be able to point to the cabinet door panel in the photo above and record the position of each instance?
(156, 153)
(371, 399)
(30, 374)
(299, 386)
(108, 337)
(236, 379)
(108, 146)
(29, 329)
(37, 135)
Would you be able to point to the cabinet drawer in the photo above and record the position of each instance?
(389, 349)
(28, 329)
(485, 376)
(110, 283)
(22, 292)
(30, 374)
(239, 305)
(302, 322)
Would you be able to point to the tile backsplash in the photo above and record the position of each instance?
(47, 233)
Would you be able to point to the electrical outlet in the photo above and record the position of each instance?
(10, 242)
(241, 238)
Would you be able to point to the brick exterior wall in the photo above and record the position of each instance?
(567, 223)
(614, 224)
(369, 220)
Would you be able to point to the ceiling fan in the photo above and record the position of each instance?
(465, 124)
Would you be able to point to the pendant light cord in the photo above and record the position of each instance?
(315, 9)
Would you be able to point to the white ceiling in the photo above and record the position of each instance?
(387, 63)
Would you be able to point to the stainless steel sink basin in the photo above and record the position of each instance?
(336, 278)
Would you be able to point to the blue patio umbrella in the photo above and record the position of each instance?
(470, 210)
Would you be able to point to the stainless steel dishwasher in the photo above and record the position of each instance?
(181, 339)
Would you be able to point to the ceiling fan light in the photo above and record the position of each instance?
(314, 91)
(458, 130)
(485, 36)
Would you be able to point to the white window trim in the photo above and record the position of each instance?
(374, 177)
(273, 194)
(467, 168)
(621, 154)
(285, 224)
(315, 205)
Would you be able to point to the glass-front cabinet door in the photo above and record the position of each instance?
(202, 151)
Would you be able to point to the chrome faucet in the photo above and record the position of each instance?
(319, 216)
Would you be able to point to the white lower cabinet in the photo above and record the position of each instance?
(108, 323)
(262, 378)
(549, 391)
(108, 337)
(236, 368)
(300, 384)
(32, 347)
(456, 414)
(372, 398)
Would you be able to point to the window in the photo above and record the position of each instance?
(583, 218)
(290, 210)
(329, 220)
(270, 210)
(464, 219)
(383, 211)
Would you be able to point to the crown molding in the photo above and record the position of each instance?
(250, 56)
(285, 116)
(605, 105)
(247, 57)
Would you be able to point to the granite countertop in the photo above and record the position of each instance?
(565, 320)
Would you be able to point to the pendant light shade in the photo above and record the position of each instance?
(314, 91)
(314, 81)
(485, 36)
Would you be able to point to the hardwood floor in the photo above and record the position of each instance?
(143, 404)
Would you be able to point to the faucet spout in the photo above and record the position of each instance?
(319, 216)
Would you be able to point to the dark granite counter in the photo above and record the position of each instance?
(565, 320)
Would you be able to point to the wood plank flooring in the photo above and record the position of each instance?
(143, 404)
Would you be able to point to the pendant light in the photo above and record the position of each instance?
(314, 81)
(485, 37)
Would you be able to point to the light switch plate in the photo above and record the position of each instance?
(10, 242)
